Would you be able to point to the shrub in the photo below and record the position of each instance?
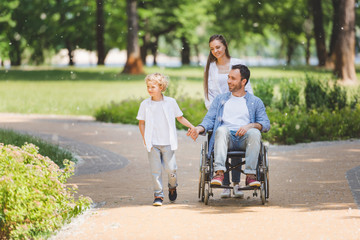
(124, 112)
(34, 200)
(54, 152)
(290, 95)
(315, 94)
(264, 90)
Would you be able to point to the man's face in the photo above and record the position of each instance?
(234, 80)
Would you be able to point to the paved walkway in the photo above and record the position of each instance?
(309, 194)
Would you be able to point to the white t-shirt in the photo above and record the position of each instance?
(160, 134)
(236, 113)
(147, 112)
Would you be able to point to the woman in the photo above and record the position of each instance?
(216, 73)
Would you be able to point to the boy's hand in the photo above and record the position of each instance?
(194, 132)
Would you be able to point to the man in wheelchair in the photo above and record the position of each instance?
(236, 118)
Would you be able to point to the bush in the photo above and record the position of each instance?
(34, 200)
(264, 90)
(123, 112)
(54, 152)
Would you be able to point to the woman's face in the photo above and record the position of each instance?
(217, 48)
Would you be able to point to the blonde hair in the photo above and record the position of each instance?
(159, 79)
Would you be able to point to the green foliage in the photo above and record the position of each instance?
(123, 112)
(290, 95)
(321, 94)
(297, 125)
(265, 91)
(34, 197)
(54, 152)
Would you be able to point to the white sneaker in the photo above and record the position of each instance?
(226, 193)
(237, 192)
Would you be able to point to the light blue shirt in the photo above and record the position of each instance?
(213, 118)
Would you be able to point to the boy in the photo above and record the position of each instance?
(157, 126)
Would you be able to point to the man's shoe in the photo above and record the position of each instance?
(251, 181)
(172, 194)
(226, 193)
(217, 180)
(237, 192)
(158, 201)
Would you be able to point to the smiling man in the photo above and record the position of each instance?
(237, 118)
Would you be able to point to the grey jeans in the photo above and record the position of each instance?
(162, 156)
(226, 140)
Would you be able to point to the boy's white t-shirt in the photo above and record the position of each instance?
(147, 112)
(236, 113)
(160, 134)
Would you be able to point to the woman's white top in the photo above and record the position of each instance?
(217, 83)
(149, 111)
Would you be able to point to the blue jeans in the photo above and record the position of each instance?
(226, 140)
(162, 156)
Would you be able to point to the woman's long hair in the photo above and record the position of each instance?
(212, 58)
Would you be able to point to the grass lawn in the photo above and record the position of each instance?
(80, 91)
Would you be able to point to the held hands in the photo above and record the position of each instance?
(194, 132)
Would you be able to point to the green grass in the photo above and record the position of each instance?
(55, 153)
(80, 91)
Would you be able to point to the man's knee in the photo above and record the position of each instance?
(222, 131)
(254, 134)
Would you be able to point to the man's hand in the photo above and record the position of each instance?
(241, 132)
(194, 132)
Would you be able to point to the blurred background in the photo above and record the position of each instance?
(175, 33)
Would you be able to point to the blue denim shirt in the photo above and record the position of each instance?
(213, 118)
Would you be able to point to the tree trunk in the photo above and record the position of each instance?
(197, 52)
(345, 44)
(307, 49)
(154, 49)
(185, 53)
(70, 53)
(100, 30)
(290, 51)
(15, 53)
(319, 32)
(134, 64)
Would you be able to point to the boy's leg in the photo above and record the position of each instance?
(169, 162)
(155, 167)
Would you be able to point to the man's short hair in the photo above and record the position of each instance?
(158, 78)
(244, 71)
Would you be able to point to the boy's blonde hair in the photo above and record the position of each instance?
(159, 79)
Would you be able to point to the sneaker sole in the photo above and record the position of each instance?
(216, 183)
(157, 204)
(255, 184)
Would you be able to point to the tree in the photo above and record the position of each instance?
(345, 43)
(133, 64)
(317, 13)
(100, 29)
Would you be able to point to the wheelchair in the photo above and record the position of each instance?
(207, 172)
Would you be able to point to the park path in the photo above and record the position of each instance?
(310, 197)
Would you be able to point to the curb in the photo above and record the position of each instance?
(353, 177)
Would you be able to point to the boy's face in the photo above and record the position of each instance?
(154, 89)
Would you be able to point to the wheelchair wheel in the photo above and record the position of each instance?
(262, 193)
(207, 194)
(266, 173)
(202, 171)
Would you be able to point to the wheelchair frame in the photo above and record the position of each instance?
(207, 172)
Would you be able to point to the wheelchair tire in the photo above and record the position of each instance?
(202, 171)
(262, 193)
(206, 200)
(266, 173)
